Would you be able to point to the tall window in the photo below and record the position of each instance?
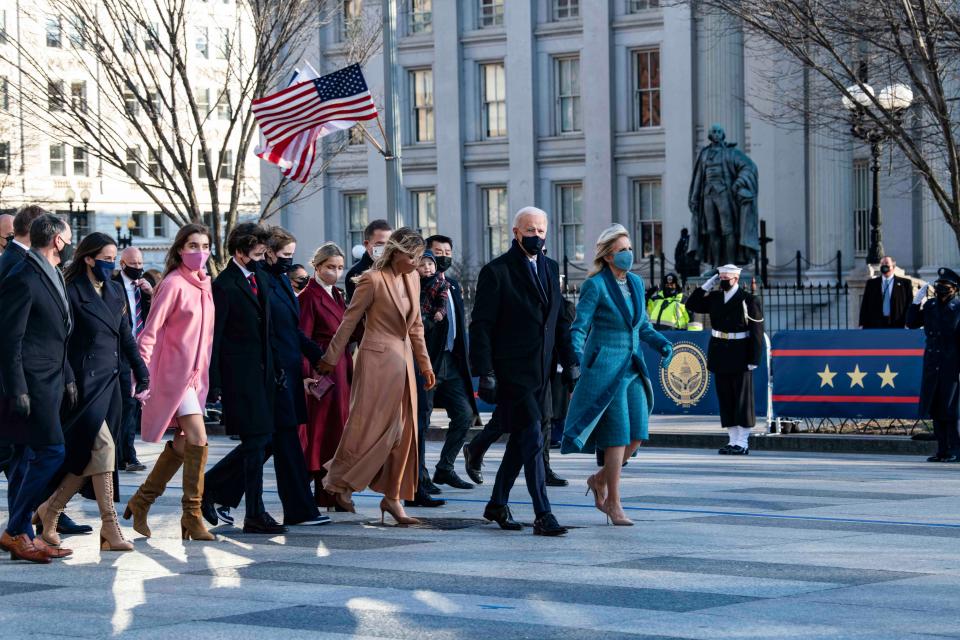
(646, 88)
(129, 38)
(861, 207)
(201, 164)
(133, 162)
(153, 103)
(224, 110)
(203, 102)
(152, 40)
(223, 43)
(566, 9)
(130, 105)
(139, 224)
(425, 212)
(203, 42)
(159, 225)
(421, 89)
(4, 157)
(81, 162)
(75, 33)
(356, 136)
(78, 96)
(4, 93)
(226, 167)
(355, 205)
(570, 205)
(495, 215)
(647, 217)
(494, 94)
(349, 18)
(58, 164)
(55, 95)
(3, 26)
(490, 14)
(421, 16)
(153, 164)
(568, 94)
(54, 32)
(636, 6)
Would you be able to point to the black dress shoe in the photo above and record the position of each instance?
(209, 511)
(725, 449)
(737, 450)
(313, 521)
(553, 480)
(547, 525)
(262, 524)
(451, 478)
(68, 527)
(502, 516)
(427, 485)
(136, 465)
(423, 499)
(472, 465)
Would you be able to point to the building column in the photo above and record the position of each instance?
(829, 203)
(939, 242)
(448, 113)
(520, 21)
(720, 74)
(597, 117)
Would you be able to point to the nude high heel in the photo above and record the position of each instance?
(402, 521)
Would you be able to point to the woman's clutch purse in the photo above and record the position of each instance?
(321, 387)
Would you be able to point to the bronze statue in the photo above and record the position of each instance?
(723, 201)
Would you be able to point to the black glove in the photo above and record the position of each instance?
(570, 375)
(71, 396)
(142, 386)
(282, 379)
(214, 395)
(21, 405)
(487, 389)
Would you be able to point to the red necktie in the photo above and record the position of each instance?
(253, 285)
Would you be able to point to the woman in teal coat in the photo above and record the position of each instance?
(612, 401)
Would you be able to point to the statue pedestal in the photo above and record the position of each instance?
(857, 281)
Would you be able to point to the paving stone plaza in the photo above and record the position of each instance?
(774, 545)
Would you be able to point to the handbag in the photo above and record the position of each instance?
(321, 387)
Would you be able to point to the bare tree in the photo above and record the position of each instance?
(182, 133)
(844, 46)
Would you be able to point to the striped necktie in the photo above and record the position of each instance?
(137, 311)
(253, 284)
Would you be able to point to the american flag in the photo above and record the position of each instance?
(337, 100)
(295, 157)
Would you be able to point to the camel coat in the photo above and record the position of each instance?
(379, 444)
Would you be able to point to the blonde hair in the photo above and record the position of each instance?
(403, 240)
(324, 252)
(608, 237)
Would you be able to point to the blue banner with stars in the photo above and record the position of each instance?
(847, 374)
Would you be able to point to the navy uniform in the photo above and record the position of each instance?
(940, 386)
(736, 346)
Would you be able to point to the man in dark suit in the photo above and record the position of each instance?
(375, 236)
(243, 374)
(886, 299)
(735, 349)
(137, 295)
(37, 380)
(515, 325)
(6, 231)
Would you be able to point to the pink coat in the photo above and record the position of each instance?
(176, 345)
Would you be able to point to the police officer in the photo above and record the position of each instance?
(736, 347)
(665, 307)
(939, 389)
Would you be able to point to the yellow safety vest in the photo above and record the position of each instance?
(668, 312)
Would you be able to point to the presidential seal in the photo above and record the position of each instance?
(685, 381)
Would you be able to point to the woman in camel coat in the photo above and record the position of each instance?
(379, 444)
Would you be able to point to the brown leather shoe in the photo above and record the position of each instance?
(7, 541)
(52, 552)
(24, 549)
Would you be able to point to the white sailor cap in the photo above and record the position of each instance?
(730, 269)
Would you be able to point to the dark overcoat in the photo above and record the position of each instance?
(242, 365)
(101, 337)
(36, 326)
(12, 256)
(290, 346)
(435, 335)
(733, 316)
(940, 383)
(871, 307)
(145, 301)
(513, 332)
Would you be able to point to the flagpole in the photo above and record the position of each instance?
(373, 140)
(391, 110)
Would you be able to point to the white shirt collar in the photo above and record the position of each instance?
(21, 245)
(889, 277)
(246, 272)
(127, 282)
(328, 288)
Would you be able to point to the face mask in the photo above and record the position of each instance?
(102, 270)
(282, 265)
(726, 285)
(443, 263)
(301, 282)
(9, 239)
(623, 260)
(884, 269)
(378, 252)
(66, 254)
(942, 290)
(532, 244)
(670, 291)
(133, 273)
(196, 260)
(254, 265)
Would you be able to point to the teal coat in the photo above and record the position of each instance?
(606, 337)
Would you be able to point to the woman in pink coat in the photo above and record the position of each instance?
(176, 344)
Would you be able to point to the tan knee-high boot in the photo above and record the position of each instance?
(49, 512)
(111, 538)
(152, 488)
(194, 464)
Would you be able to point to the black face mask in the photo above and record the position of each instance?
(443, 263)
(253, 265)
(532, 244)
(66, 254)
(670, 291)
(281, 266)
(884, 269)
(943, 291)
(9, 239)
(302, 282)
(133, 273)
(726, 285)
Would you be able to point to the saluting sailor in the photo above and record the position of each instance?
(736, 347)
